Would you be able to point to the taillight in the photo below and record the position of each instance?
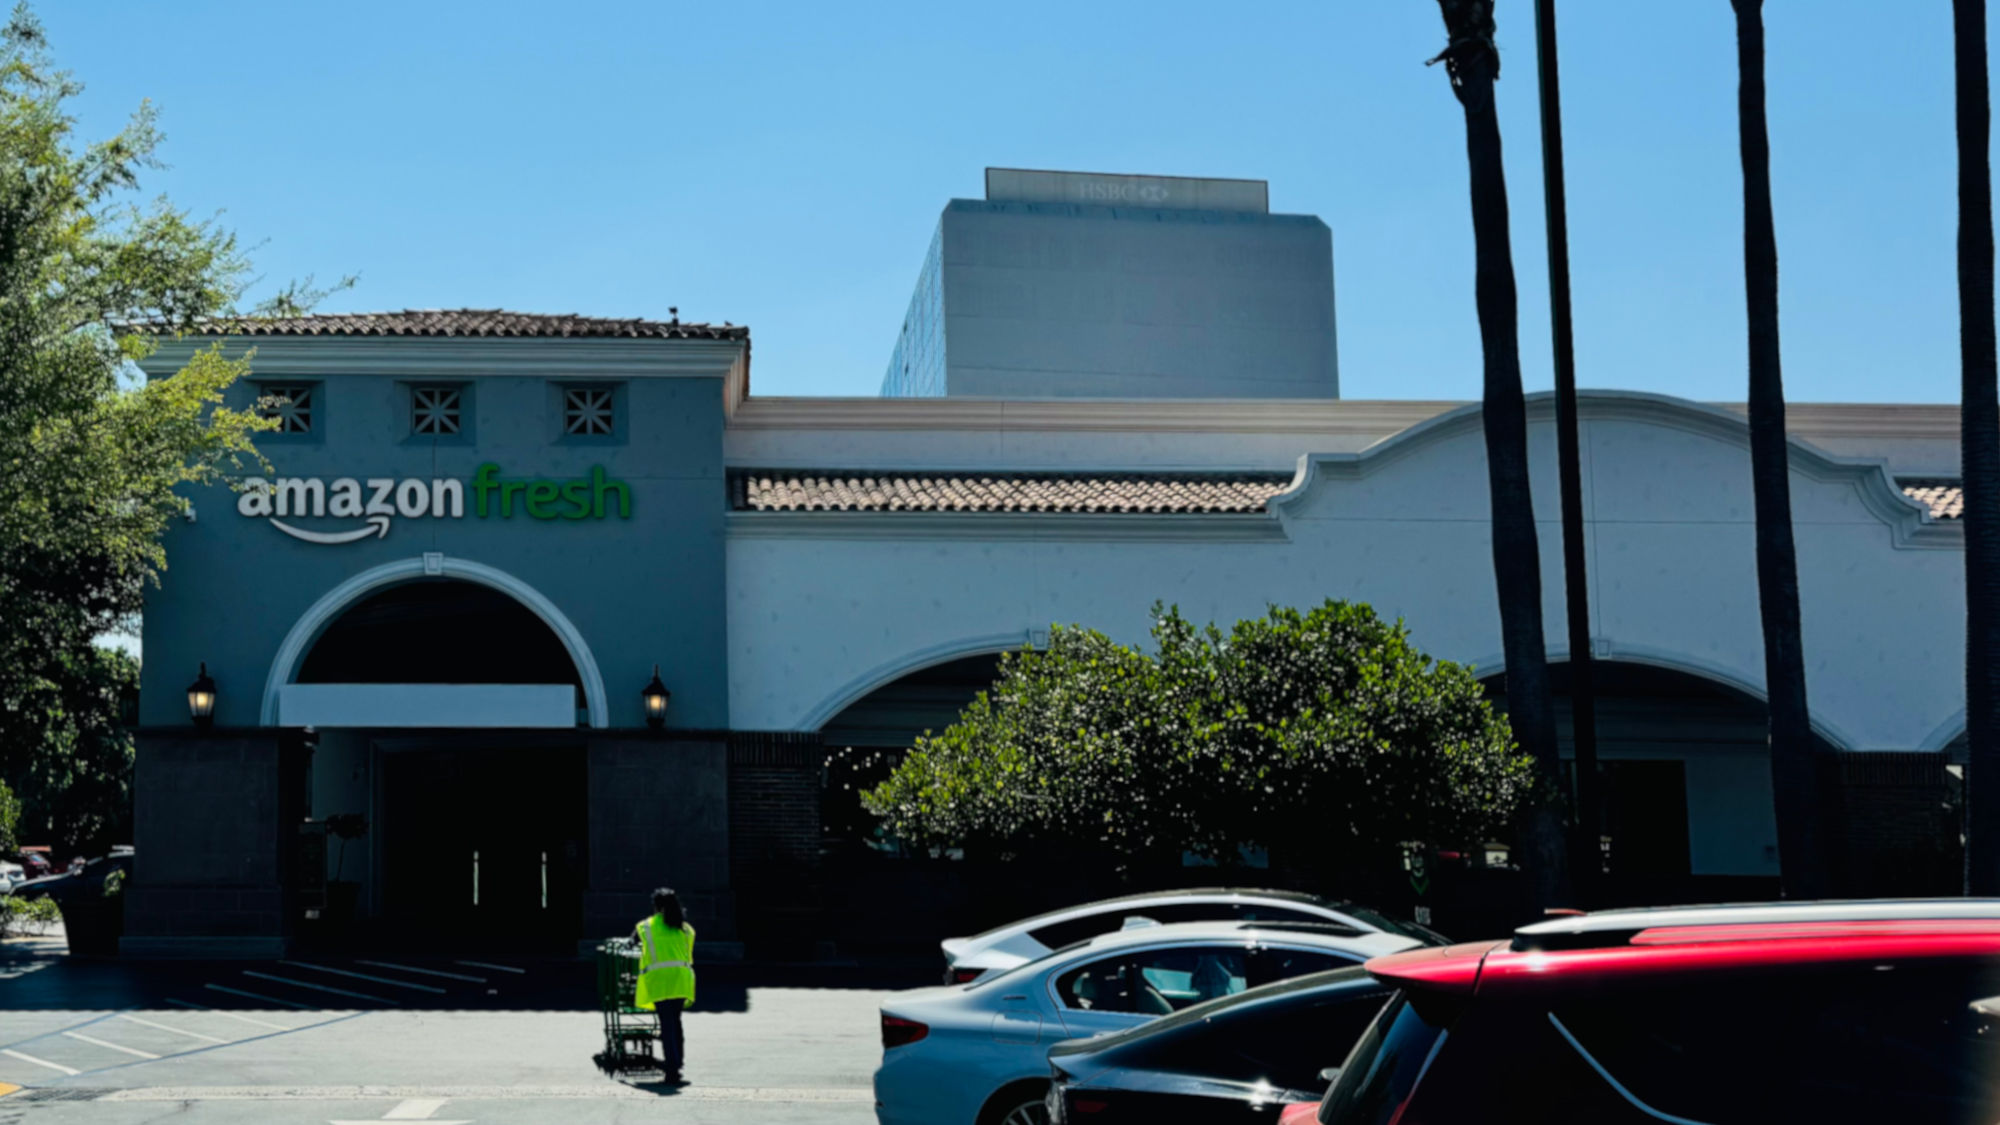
(899, 1032)
(965, 976)
(1089, 1105)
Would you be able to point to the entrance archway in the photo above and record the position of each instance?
(305, 632)
(1685, 782)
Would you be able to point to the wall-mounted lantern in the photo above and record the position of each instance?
(201, 698)
(656, 695)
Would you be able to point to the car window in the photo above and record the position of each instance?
(1272, 963)
(1155, 982)
(1899, 1042)
(1284, 1045)
(1379, 1075)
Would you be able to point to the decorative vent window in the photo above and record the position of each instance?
(290, 403)
(436, 410)
(587, 411)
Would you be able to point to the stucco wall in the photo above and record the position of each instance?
(823, 609)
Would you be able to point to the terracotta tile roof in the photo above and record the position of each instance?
(1945, 497)
(788, 490)
(484, 322)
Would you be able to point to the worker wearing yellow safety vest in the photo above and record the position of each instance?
(666, 974)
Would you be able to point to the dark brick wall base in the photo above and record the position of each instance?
(774, 841)
(208, 862)
(659, 816)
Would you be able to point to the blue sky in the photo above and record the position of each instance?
(783, 165)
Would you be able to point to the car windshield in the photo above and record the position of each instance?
(1382, 1070)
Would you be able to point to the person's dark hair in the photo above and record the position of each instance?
(667, 905)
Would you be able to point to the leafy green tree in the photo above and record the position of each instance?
(75, 788)
(90, 463)
(1324, 736)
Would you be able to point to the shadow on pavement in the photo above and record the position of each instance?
(39, 975)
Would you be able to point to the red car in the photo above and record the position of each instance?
(1734, 1015)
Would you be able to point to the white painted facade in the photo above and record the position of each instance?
(1389, 507)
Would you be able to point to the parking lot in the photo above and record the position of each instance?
(319, 1039)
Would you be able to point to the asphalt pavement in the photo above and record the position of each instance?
(485, 1040)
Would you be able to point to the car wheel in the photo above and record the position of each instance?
(1027, 1113)
(1024, 1103)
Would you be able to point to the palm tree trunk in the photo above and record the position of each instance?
(1979, 444)
(1586, 845)
(1801, 861)
(1474, 65)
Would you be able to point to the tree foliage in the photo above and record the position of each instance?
(1323, 735)
(90, 464)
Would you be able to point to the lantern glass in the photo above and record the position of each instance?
(655, 695)
(201, 698)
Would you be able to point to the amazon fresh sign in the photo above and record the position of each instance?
(372, 505)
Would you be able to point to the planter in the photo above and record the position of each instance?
(94, 924)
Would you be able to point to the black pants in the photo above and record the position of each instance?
(673, 1047)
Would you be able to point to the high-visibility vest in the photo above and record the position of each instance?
(666, 968)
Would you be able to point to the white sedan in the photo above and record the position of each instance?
(1017, 943)
(977, 1054)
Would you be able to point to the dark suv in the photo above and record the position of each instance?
(1806, 1012)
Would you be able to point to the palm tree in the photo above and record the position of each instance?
(1979, 445)
(1473, 62)
(1800, 860)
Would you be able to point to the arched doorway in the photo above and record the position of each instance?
(1685, 782)
(463, 826)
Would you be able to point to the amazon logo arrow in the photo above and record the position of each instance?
(378, 526)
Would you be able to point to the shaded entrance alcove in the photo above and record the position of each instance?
(438, 631)
(1686, 782)
(468, 830)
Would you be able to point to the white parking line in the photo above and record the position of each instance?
(495, 968)
(426, 972)
(255, 996)
(128, 1017)
(231, 1015)
(363, 976)
(316, 987)
(82, 1038)
(414, 1109)
(13, 1054)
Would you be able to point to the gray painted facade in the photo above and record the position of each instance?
(1020, 298)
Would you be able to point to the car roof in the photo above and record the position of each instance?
(1182, 894)
(1617, 927)
(1700, 938)
(1308, 932)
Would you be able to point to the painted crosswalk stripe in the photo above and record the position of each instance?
(255, 996)
(363, 976)
(13, 1054)
(130, 1018)
(317, 987)
(82, 1038)
(425, 972)
(231, 1015)
(495, 968)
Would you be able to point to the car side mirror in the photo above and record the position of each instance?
(1329, 1075)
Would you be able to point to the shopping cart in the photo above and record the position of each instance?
(629, 1031)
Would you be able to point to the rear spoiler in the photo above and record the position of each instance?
(1452, 968)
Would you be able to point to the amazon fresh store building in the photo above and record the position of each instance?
(441, 612)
